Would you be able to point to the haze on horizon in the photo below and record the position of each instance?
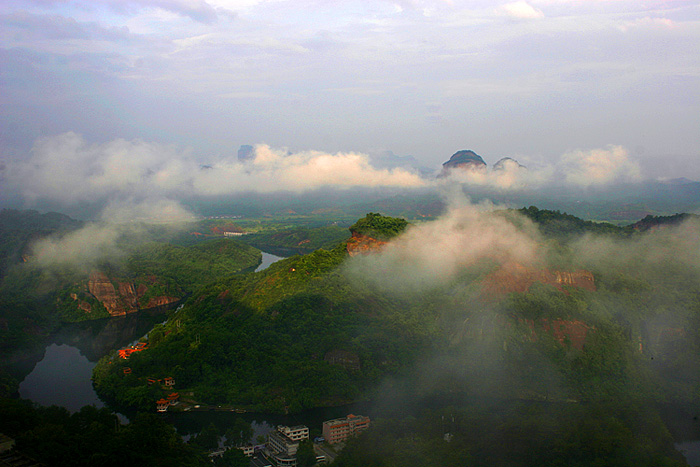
(103, 96)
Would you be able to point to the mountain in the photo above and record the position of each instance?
(507, 163)
(36, 297)
(265, 341)
(466, 159)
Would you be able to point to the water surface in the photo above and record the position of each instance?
(62, 377)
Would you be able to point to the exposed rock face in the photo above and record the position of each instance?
(161, 301)
(466, 159)
(102, 288)
(122, 299)
(246, 153)
(361, 244)
(566, 332)
(517, 278)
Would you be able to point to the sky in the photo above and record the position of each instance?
(322, 87)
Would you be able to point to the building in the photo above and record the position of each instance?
(284, 442)
(341, 429)
(173, 397)
(162, 405)
(295, 433)
(248, 450)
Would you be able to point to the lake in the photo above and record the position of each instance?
(267, 260)
(61, 378)
(60, 373)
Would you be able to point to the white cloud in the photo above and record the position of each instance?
(68, 169)
(599, 167)
(435, 253)
(520, 10)
(647, 22)
(274, 170)
(82, 247)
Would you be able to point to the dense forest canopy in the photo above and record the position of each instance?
(380, 227)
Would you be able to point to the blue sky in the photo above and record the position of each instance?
(537, 80)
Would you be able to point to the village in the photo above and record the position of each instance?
(282, 444)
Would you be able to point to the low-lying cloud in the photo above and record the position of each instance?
(68, 169)
(139, 179)
(600, 167)
(435, 253)
(576, 169)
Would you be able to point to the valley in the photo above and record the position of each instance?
(559, 335)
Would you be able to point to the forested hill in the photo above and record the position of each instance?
(302, 239)
(558, 224)
(19, 228)
(304, 334)
(125, 276)
(651, 222)
(379, 227)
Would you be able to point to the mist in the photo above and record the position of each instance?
(499, 347)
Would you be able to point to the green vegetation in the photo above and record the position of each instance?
(561, 225)
(568, 376)
(380, 227)
(259, 341)
(94, 437)
(517, 433)
(298, 239)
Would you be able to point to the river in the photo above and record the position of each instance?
(60, 371)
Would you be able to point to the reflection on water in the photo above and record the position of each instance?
(267, 260)
(60, 372)
(691, 451)
(61, 378)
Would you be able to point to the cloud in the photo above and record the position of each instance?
(510, 175)
(128, 176)
(576, 169)
(84, 247)
(67, 169)
(197, 10)
(435, 253)
(646, 23)
(23, 26)
(599, 167)
(149, 210)
(520, 10)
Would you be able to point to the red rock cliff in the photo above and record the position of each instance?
(517, 278)
(361, 244)
(124, 298)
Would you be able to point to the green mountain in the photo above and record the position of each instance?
(128, 274)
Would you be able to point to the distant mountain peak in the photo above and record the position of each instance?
(507, 162)
(464, 158)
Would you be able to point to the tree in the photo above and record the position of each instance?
(239, 434)
(208, 438)
(233, 457)
(306, 457)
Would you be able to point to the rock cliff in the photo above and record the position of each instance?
(517, 278)
(118, 300)
(362, 244)
(565, 331)
(122, 299)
